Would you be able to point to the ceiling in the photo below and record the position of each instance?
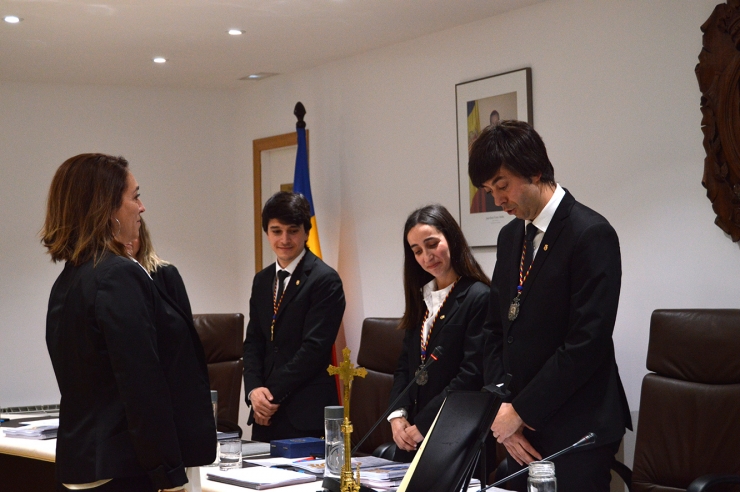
(114, 42)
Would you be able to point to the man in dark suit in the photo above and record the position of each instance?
(554, 298)
(295, 311)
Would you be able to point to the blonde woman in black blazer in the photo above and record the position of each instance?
(135, 404)
(165, 275)
(446, 304)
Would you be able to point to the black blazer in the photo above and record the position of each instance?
(458, 330)
(132, 376)
(559, 350)
(294, 365)
(168, 279)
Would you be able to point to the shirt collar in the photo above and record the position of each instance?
(542, 221)
(430, 289)
(293, 264)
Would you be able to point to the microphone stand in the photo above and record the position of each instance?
(586, 440)
(432, 358)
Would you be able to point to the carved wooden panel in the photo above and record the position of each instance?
(718, 73)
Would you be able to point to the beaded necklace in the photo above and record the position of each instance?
(425, 341)
(275, 306)
(514, 306)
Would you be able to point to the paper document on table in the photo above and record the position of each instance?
(260, 477)
(36, 429)
(279, 461)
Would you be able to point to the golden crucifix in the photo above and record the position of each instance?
(347, 372)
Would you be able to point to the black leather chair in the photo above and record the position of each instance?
(688, 435)
(380, 348)
(222, 336)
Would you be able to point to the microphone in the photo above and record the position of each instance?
(586, 440)
(435, 355)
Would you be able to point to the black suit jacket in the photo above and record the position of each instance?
(458, 330)
(168, 280)
(559, 350)
(132, 375)
(294, 365)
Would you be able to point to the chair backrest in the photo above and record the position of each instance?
(380, 348)
(689, 422)
(222, 336)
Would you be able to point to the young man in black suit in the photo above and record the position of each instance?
(554, 298)
(295, 311)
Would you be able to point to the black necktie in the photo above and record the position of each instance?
(282, 275)
(529, 244)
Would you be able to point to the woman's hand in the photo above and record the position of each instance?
(404, 439)
(414, 434)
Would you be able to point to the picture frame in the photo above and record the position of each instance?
(507, 96)
(273, 166)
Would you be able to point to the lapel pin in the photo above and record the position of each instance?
(545, 247)
(298, 282)
(442, 317)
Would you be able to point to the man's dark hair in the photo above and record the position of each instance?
(289, 209)
(513, 144)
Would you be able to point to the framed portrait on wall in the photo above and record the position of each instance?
(480, 103)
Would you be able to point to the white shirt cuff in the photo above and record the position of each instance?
(401, 412)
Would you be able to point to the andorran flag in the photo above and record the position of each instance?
(302, 185)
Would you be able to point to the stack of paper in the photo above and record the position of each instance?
(317, 465)
(260, 477)
(253, 448)
(38, 429)
(223, 436)
(387, 472)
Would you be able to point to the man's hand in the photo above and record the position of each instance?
(507, 422)
(262, 405)
(401, 437)
(520, 449)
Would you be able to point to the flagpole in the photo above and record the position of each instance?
(300, 112)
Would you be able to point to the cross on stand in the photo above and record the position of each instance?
(347, 372)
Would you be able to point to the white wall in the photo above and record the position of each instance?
(615, 99)
(180, 146)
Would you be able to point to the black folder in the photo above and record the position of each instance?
(447, 457)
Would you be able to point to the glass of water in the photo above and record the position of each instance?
(542, 477)
(230, 454)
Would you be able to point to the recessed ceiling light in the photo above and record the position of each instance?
(159, 59)
(12, 19)
(258, 76)
(235, 32)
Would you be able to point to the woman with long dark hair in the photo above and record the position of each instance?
(446, 304)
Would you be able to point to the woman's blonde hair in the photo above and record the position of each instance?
(85, 192)
(146, 254)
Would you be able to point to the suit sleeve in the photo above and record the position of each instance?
(124, 310)
(401, 375)
(254, 348)
(596, 272)
(320, 328)
(493, 332)
(469, 376)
